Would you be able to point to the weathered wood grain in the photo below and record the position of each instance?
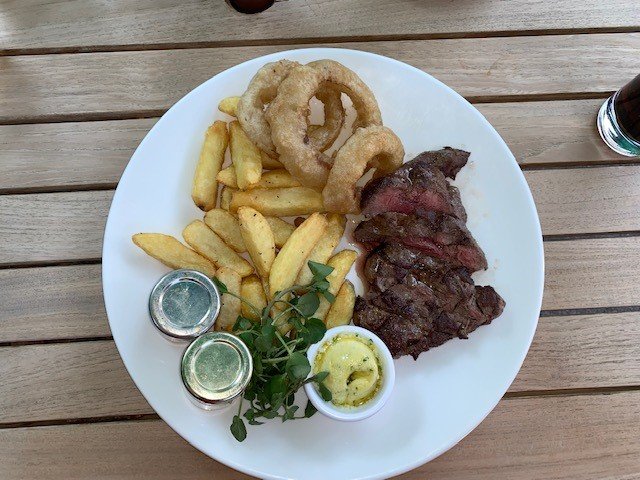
(87, 379)
(52, 226)
(555, 438)
(81, 24)
(41, 87)
(591, 273)
(587, 200)
(60, 156)
(52, 303)
(57, 156)
(554, 132)
(582, 351)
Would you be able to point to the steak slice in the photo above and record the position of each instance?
(418, 186)
(391, 264)
(397, 332)
(412, 334)
(413, 293)
(448, 160)
(440, 235)
(409, 258)
(448, 285)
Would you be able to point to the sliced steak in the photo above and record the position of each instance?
(434, 297)
(409, 321)
(396, 331)
(440, 235)
(409, 258)
(419, 186)
(421, 293)
(411, 334)
(391, 264)
(448, 285)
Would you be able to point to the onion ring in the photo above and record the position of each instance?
(371, 147)
(263, 88)
(287, 115)
(323, 136)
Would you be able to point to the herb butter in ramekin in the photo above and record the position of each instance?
(361, 373)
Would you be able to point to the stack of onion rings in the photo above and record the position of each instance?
(283, 130)
(287, 115)
(263, 89)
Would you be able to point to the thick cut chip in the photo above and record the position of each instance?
(258, 238)
(293, 254)
(172, 253)
(204, 241)
(230, 307)
(205, 185)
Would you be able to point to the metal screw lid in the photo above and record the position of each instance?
(184, 304)
(216, 367)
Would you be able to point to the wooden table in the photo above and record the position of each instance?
(81, 82)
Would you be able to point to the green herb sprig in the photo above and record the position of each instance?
(280, 364)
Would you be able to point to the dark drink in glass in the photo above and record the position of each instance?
(250, 6)
(619, 120)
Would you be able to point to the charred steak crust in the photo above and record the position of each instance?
(449, 160)
(421, 293)
(416, 302)
(419, 186)
(413, 332)
(414, 311)
(439, 235)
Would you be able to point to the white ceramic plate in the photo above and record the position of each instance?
(438, 399)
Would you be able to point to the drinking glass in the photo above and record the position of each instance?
(250, 6)
(619, 120)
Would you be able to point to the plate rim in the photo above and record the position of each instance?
(529, 199)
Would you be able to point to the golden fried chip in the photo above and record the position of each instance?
(172, 253)
(204, 241)
(205, 186)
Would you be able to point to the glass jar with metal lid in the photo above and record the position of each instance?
(184, 304)
(216, 368)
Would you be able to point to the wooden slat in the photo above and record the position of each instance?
(67, 302)
(582, 351)
(560, 132)
(589, 351)
(67, 380)
(69, 226)
(52, 303)
(552, 438)
(107, 84)
(52, 226)
(67, 155)
(591, 273)
(41, 24)
(589, 200)
(71, 155)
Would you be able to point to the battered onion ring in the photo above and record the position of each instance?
(287, 115)
(371, 147)
(323, 136)
(263, 88)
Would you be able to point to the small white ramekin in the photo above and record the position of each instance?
(353, 414)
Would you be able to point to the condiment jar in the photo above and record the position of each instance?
(184, 304)
(216, 368)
